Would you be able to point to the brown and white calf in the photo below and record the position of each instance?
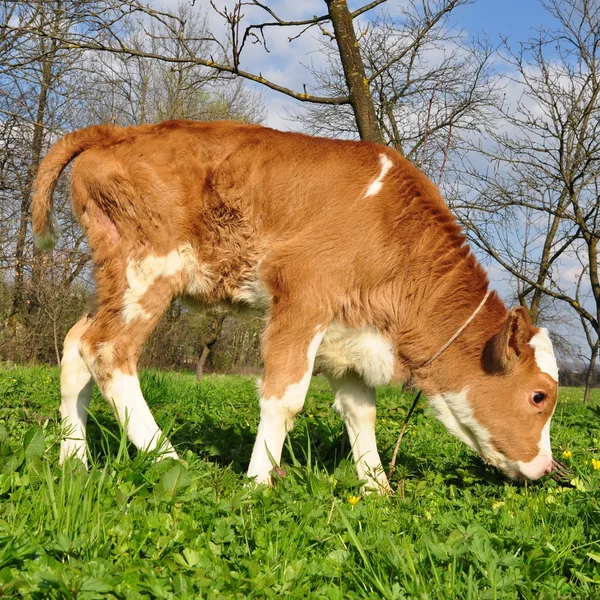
(349, 248)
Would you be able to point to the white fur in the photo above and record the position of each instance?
(142, 273)
(277, 418)
(544, 353)
(375, 186)
(364, 351)
(76, 386)
(542, 463)
(455, 412)
(255, 293)
(355, 403)
(124, 394)
(47, 240)
(441, 404)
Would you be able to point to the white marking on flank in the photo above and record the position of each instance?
(375, 186)
(142, 273)
(544, 353)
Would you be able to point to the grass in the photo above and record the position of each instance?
(131, 527)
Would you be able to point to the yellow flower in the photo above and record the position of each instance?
(567, 454)
(596, 464)
(310, 415)
(353, 500)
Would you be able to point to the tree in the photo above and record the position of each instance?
(431, 86)
(225, 57)
(536, 210)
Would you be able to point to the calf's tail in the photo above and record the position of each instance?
(46, 230)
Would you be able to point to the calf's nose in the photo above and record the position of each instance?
(548, 469)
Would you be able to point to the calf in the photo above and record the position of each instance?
(349, 248)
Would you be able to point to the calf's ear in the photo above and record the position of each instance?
(504, 349)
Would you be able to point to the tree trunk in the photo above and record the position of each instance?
(215, 332)
(589, 375)
(354, 71)
(202, 362)
(49, 55)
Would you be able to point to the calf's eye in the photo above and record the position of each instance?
(537, 398)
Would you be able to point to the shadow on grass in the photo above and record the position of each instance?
(230, 445)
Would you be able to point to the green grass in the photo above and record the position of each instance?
(133, 528)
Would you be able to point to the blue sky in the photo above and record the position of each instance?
(514, 19)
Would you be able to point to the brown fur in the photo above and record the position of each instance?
(292, 209)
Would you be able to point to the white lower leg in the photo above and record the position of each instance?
(355, 403)
(277, 417)
(123, 392)
(76, 390)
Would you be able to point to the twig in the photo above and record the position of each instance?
(402, 431)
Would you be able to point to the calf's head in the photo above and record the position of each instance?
(504, 411)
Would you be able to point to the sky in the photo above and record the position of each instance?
(516, 20)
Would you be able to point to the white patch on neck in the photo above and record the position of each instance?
(441, 404)
(544, 354)
(375, 186)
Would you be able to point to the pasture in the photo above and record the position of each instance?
(134, 528)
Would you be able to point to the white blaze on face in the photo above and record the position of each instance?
(542, 463)
(375, 186)
(455, 412)
(544, 353)
(277, 418)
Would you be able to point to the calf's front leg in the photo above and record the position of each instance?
(289, 352)
(355, 403)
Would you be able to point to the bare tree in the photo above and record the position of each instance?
(431, 85)
(536, 209)
(210, 53)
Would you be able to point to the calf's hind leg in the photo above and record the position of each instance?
(110, 347)
(76, 385)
